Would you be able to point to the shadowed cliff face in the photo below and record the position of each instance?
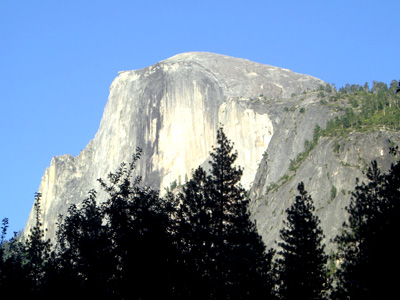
(172, 110)
(329, 176)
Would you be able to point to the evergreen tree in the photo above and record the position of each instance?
(219, 239)
(14, 279)
(24, 264)
(37, 251)
(368, 245)
(195, 236)
(3, 234)
(84, 264)
(122, 248)
(138, 229)
(301, 268)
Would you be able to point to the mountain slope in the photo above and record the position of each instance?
(172, 111)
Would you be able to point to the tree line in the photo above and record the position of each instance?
(200, 242)
(365, 108)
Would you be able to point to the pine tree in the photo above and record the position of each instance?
(37, 251)
(3, 234)
(301, 268)
(137, 227)
(194, 234)
(368, 245)
(84, 262)
(14, 279)
(120, 249)
(219, 238)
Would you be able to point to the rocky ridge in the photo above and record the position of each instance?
(172, 110)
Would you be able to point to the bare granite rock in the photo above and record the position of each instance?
(172, 111)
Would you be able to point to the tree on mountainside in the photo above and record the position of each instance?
(37, 251)
(121, 248)
(301, 268)
(220, 242)
(13, 278)
(3, 234)
(138, 228)
(368, 245)
(24, 263)
(84, 262)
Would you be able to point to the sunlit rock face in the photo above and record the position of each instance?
(172, 111)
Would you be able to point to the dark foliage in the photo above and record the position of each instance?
(24, 265)
(121, 248)
(220, 242)
(301, 269)
(138, 229)
(202, 244)
(198, 245)
(368, 243)
(83, 263)
(37, 251)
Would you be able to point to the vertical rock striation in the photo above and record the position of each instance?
(172, 111)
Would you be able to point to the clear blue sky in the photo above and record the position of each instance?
(58, 59)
